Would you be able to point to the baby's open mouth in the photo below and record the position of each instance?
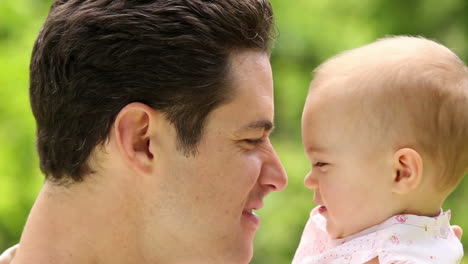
(322, 209)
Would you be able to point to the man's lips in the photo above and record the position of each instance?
(254, 205)
(249, 215)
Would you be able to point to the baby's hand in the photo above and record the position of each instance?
(458, 231)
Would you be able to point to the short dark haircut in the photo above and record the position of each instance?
(92, 58)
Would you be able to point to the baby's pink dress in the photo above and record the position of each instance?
(408, 239)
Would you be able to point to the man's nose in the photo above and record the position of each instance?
(310, 182)
(273, 173)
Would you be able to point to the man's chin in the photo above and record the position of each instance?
(242, 255)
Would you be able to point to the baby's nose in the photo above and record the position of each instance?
(310, 182)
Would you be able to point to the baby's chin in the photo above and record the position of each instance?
(337, 233)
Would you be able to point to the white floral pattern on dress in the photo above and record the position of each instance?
(405, 238)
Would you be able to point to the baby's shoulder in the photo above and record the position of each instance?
(413, 241)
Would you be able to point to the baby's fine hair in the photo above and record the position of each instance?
(412, 92)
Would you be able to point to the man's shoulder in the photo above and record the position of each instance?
(7, 256)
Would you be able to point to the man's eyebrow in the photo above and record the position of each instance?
(264, 124)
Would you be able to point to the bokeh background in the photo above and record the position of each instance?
(309, 31)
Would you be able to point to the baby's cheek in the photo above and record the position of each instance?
(352, 217)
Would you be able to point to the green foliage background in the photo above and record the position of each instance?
(310, 31)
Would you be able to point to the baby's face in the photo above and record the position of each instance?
(351, 177)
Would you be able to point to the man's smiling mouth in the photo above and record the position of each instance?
(249, 214)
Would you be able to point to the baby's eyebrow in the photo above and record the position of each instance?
(315, 149)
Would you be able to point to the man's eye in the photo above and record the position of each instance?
(255, 141)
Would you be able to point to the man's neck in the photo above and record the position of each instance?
(71, 225)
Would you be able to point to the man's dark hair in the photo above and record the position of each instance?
(92, 58)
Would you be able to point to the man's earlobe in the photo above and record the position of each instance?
(408, 167)
(133, 136)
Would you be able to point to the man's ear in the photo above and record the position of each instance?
(408, 169)
(133, 131)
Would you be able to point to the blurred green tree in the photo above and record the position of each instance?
(308, 33)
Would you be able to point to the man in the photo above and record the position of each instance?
(153, 120)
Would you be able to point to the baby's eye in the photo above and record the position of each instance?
(320, 164)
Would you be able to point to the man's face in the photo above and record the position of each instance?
(351, 178)
(208, 198)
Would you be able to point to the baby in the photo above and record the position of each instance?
(385, 127)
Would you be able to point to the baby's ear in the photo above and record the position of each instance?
(408, 169)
